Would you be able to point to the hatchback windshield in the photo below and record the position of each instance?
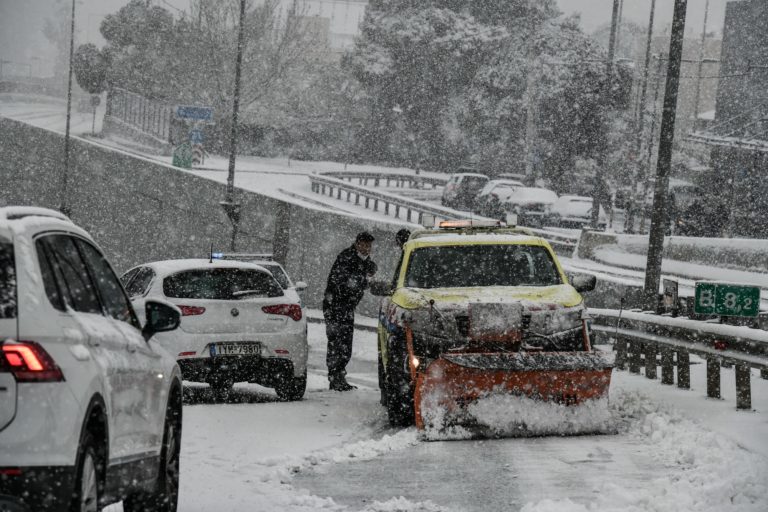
(457, 266)
(7, 280)
(221, 284)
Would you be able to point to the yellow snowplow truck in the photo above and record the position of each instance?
(477, 310)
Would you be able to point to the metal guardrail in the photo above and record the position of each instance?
(390, 204)
(640, 338)
(150, 116)
(399, 180)
(340, 184)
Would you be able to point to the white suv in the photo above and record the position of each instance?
(90, 404)
(237, 325)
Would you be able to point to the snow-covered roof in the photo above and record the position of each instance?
(475, 238)
(167, 267)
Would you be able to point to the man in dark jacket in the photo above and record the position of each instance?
(347, 281)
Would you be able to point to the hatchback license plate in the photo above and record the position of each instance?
(235, 349)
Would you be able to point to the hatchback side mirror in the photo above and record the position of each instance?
(300, 286)
(583, 282)
(161, 317)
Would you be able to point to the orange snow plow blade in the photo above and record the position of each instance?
(455, 380)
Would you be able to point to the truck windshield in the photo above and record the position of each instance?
(7, 280)
(457, 266)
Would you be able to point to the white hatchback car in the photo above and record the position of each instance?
(90, 405)
(238, 324)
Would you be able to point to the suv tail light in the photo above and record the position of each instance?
(290, 310)
(191, 310)
(29, 362)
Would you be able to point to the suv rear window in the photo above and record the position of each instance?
(7, 280)
(221, 284)
(459, 266)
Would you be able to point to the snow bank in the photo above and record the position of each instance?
(717, 475)
(403, 505)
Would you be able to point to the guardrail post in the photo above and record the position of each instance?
(367, 202)
(650, 360)
(349, 194)
(314, 187)
(408, 217)
(743, 387)
(667, 366)
(621, 353)
(357, 199)
(397, 211)
(330, 191)
(683, 369)
(338, 193)
(387, 182)
(386, 208)
(322, 189)
(634, 356)
(375, 205)
(713, 377)
(376, 182)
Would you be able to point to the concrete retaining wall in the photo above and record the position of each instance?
(139, 210)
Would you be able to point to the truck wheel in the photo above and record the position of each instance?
(399, 391)
(382, 382)
(291, 389)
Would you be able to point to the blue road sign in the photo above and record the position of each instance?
(192, 113)
(196, 136)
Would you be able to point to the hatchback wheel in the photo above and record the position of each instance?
(292, 388)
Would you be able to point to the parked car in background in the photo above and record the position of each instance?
(90, 404)
(490, 199)
(461, 189)
(511, 176)
(238, 324)
(574, 212)
(531, 205)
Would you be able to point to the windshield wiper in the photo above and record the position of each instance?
(243, 293)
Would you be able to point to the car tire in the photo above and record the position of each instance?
(86, 495)
(165, 496)
(382, 381)
(292, 389)
(399, 390)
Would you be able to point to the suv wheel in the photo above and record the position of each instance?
(292, 388)
(86, 495)
(165, 497)
(399, 393)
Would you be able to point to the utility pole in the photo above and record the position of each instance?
(530, 102)
(232, 208)
(63, 203)
(629, 225)
(597, 190)
(701, 65)
(651, 146)
(659, 219)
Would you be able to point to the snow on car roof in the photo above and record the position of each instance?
(167, 267)
(23, 220)
(475, 238)
(534, 194)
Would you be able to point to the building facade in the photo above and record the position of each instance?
(738, 135)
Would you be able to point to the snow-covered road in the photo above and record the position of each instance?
(675, 451)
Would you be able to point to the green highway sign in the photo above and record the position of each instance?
(726, 299)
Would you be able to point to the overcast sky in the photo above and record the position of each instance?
(595, 13)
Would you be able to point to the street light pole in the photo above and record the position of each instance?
(598, 189)
(702, 52)
(629, 225)
(63, 204)
(663, 167)
(232, 208)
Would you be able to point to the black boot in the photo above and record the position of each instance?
(339, 383)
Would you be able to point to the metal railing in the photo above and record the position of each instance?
(648, 340)
(150, 116)
(376, 179)
(388, 204)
